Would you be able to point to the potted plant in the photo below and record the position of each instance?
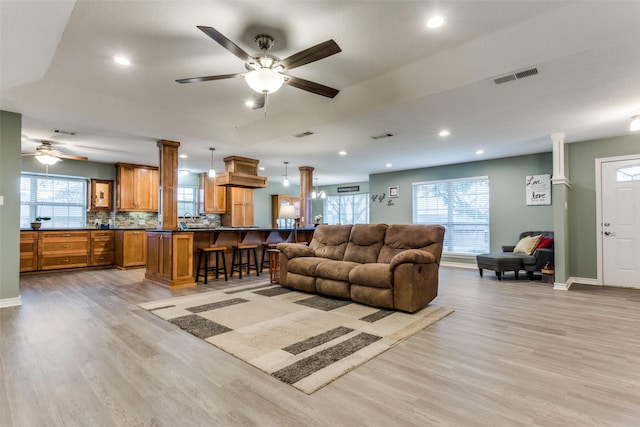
(38, 221)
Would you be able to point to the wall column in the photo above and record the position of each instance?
(168, 192)
(561, 186)
(306, 187)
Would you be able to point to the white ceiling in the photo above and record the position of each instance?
(394, 74)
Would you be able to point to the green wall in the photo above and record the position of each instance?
(76, 168)
(509, 213)
(10, 132)
(582, 198)
(332, 190)
(262, 201)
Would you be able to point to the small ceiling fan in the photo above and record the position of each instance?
(265, 72)
(48, 155)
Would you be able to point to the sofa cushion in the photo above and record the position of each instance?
(365, 242)
(375, 275)
(527, 245)
(330, 241)
(412, 236)
(304, 265)
(335, 270)
(545, 242)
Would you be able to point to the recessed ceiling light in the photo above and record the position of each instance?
(444, 132)
(435, 21)
(342, 153)
(261, 168)
(183, 156)
(122, 60)
(479, 151)
(249, 103)
(388, 165)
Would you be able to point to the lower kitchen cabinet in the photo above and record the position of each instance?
(63, 249)
(102, 247)
(28, 251)
(131, 248)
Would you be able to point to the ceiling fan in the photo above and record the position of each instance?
(48, 155)
(265, 72)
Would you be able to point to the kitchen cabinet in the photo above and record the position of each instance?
(28, 251)
(279, 200)
(136, 188)
(131, 248)
(100, 195)
(212, 197)
(170, 259)
(63, 249)
(102, 247)
(240, 208)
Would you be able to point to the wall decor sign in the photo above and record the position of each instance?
(394, 192)
(538, 189)
(348, 189)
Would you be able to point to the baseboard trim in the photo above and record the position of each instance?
(458, 265)
(572, 280)
(10, 302)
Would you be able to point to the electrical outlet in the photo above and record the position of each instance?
(141, 222)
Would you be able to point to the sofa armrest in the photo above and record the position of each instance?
(542, 256)
(508, 248)
(412, 256)
(294, 250)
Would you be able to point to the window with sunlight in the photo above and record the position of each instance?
(62, 199)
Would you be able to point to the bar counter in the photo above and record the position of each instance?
(172, 255)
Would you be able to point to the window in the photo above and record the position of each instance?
(62, 199)
(461, 206)
(346, 209)
(187, 200)
(629, 173)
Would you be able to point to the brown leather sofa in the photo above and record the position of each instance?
(387, 266)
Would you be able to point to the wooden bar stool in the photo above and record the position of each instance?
(204, 254)
(265, 259)
(238, 252)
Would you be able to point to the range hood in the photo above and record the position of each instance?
(241, 172)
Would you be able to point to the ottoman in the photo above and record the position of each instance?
(499, 262)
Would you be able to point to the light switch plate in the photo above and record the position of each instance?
(1, 200)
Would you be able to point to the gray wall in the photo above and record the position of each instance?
(509, 213)
(77, 168)
(262, 201)
(10, 132)
(582, 198)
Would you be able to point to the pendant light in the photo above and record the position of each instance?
(315, 193)
(285, 183)
(212, 171)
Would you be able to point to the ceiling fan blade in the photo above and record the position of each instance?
(71, 157)
(312, 54)
(208, 78)
(313, 87)
(258, 101)
(226, 43)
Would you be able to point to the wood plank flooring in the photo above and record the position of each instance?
(79, 352)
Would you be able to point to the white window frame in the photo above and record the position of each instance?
(35, 203)
(186, 206)
(467, 227)
(346, 214)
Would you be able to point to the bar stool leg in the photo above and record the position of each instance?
(199, 264)
(206, 268)
(224, 264)
(255, 262)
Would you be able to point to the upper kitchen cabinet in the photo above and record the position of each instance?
(136, 188)
(101, 195)
(212, 197)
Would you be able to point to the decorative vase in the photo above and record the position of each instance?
(36, 225)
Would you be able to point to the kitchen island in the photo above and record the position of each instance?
(172, 254)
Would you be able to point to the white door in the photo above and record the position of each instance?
(620, 230)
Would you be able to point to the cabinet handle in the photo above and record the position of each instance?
(65, 246)
(66, 235)
(103, 244)
(66, 260)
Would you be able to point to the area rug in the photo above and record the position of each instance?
(302, 339)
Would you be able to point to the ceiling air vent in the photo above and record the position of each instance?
(64, 132)
(515, 76)
(303, 134)
(384, 135)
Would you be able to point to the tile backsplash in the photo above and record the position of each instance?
(143, 220)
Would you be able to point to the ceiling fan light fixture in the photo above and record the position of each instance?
(47, 159)
(264, 80)
(635, 123)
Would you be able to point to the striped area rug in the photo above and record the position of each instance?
(304, 340)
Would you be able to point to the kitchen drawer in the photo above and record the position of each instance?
(70, 261)
(102, 245)
(64, 246)
(104, 258)
(63, 235)
(28, 262)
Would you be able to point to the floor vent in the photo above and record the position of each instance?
(516, 76)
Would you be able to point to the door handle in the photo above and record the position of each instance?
(609, 233)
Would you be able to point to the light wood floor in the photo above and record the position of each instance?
(80, 352)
